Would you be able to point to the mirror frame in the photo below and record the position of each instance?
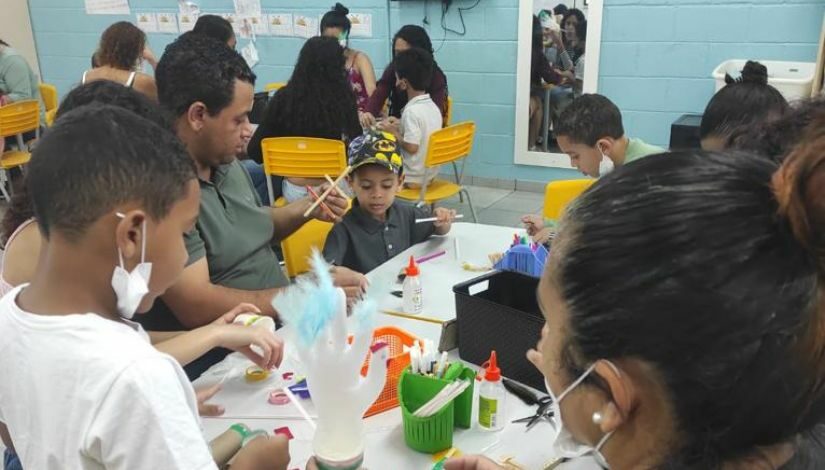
(521, 154)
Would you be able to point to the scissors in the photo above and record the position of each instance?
(544, 411)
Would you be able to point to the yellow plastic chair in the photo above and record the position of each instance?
(558, 194)
(274, 86)
(448, 119)
(15, 120)
(448, 145)
(302, 157)
(48, 93)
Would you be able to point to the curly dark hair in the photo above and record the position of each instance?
(775, 138)
(197, 67)
(121, 45)
(318, 99)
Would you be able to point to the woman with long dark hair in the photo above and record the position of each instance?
(360, 73)
(407, 37)
(709, 354)
(316, 102)
(122, 49)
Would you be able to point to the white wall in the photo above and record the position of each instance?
(16, 30)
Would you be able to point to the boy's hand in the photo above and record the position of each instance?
(204, 394)
(544, 235)
(353, 283)
(241, 337)
(533, 223)
(445, 217)
(228, 317)
(336, 203)
(263, 453)
(391, 125)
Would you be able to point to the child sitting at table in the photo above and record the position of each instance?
(420, 117)
(113, 227)
(378, 227)
(591, 133)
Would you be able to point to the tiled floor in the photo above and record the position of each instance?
(497, 206)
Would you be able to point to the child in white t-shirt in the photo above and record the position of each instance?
(82, 386)
(419, 118)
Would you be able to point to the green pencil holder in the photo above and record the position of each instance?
(435, 433)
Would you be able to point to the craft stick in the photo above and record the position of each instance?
(337, 189)
(457, 249)
(433, 219)
(426, 258)
(393, 313)
(324, 205)
(329, 190)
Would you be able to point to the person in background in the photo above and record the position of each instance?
(559, 12)
(744, 101)
(407, 37)
(541, 72)
(119, 56)
(316, 102)
(17, 83)
(776, 138)
(378, 227)
(742, 241)
(591, 132)
(216, 27)
(360, 73)
(208, 90)
(420, 117)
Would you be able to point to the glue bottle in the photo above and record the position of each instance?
(413, 301)
(491, 396)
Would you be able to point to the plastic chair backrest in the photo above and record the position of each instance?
(558, 194)
(48, 93)
(19, 117)
(297, 248)
(450, 144)
(303, 157)
(448, 117)
(274, 86)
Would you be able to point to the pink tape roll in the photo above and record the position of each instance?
(278, 397)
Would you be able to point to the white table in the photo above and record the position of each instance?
(385, 447)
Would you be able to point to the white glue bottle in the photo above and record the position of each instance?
(413, 301)
(491, 396)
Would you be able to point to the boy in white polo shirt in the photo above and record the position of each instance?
(419, 119)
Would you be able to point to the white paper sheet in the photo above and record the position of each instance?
(167, 23)
(280, 24)
(259, 26)
(186, 22)
(247, 8)
(250, 54)
(148, 22)
(108, 7)
(361, 25)
(305, 26)
(188, 7)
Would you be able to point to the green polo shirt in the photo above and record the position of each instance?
(637, 148)
(234, 232)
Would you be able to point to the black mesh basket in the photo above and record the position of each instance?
(498, 311)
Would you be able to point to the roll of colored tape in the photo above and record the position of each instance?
(278, 397)
(256, 374)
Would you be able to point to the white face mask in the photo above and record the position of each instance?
(564, 444)
(606, 165)
(343, 40)
(131, 287)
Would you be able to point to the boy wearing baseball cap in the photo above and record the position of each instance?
(378, 227)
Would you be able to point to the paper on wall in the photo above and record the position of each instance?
(188, 7)
(167, 23)
(250, 54)
(361, 25)
(259, 26)
(245, 28)
(186, 22)
(247, 8)
(147, 22)
(280, 24)
(108, 7)
(304, 26)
